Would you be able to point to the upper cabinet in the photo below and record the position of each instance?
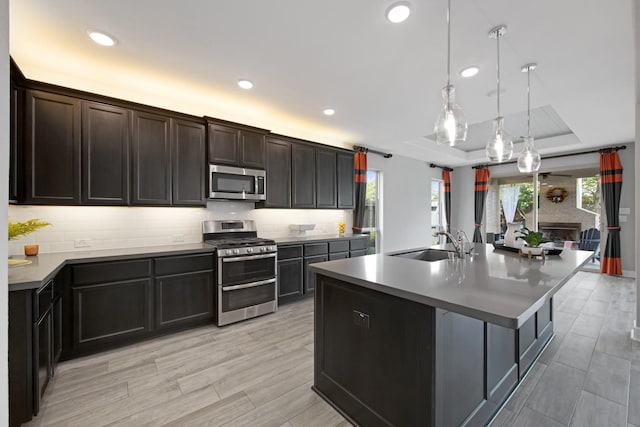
(151, 159)
(52, 149)
(236, 145)
(303, 176)
(326, 191)
(13, 142)
(188, 163)
(346, 179)
(278, 170)
(106, 136)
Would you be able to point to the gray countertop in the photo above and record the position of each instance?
(314, 238)
(492, 285)
(45, 266)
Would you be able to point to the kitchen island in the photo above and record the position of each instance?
(400, 341)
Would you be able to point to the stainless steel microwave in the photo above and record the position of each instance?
(226, 182)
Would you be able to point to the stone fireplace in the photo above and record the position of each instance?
(559, 232)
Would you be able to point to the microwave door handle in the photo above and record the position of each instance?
(255, 185)
(248, 285)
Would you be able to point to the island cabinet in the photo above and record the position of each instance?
(386, 360)
(236, 145)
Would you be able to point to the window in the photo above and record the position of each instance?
(372, 211)
(588, 194)
(438, 220)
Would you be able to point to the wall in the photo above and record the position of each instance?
(4, 186)
(636, 30)
(406, 206)
(123, 227)
(463, 202)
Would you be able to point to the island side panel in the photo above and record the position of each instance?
(373, 355)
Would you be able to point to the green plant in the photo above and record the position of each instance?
(17, 229)
(533, 238)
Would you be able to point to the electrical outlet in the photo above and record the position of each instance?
(82, 243)
(178, 238)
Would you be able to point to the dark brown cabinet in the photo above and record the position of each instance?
(151, 159)
(52, 149)
(183, 290)
(13, 143)
(188, 164)
(345, 176)
(278, 173)
(303, 176)
(326, 190)
(236, 146)
(290, 273)
(106, 135)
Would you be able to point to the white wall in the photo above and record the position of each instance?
(636, 29)
(463, 201)
(406, 205)
(126, 227)
(4, 196)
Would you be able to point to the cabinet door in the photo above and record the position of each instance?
(151, 160)
(13, 144)
(56, 318)
(109, 313)
(278, 170)
(42, 362)
(290, 281)
(303, 176)
(309, 277)
(326, 179)
(52, 149)
(223, 144)
(106, 135)
(346, 176)
(251, 149)
(183, 299)
(188, 148)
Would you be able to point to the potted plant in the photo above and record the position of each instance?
(533, 239)
(17, 229)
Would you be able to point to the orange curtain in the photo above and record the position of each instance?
(446, 177)
(481, 187)
(611, 182)
(360, 163)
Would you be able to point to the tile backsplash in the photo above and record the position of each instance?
(126, 227)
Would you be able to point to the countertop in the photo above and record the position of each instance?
(314, 238)
(492, 285)
(45, 266)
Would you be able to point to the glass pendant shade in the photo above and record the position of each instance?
(500, 146)
(450, 127)
(529, 160)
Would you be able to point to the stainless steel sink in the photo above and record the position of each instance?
(426, 255)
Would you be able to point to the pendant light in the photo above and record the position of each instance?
(500, 146)
(529, 160)
(450, 127)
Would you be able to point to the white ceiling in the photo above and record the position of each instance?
(383, 79)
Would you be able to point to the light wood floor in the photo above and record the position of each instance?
(259, 373)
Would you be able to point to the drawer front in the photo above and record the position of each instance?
(111, 271)
(288, 252)
(338, 255)
(354, 254)
(358, 244)
(183, 264)
(312, 249)
(338, 246)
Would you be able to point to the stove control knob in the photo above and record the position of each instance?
(263, 249)
(229, 252)
(249, 250)
(272, 248)
(236, 251)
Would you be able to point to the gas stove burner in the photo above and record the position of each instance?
(239, 242)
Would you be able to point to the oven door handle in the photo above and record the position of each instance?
(249, 257)
(248, 285)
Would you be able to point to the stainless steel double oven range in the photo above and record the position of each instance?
(246, 272)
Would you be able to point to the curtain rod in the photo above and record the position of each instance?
(367, 150)
(557, 156)
(433, 165)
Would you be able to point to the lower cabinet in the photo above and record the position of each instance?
(309, 277)
(290, 273)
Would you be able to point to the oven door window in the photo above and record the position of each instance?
(241, 298)
(230, 183)
(246, 269)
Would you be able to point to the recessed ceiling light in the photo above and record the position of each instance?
(329, 111)
(469, 71)
(245, 84)
(398, 12)
(102, 38)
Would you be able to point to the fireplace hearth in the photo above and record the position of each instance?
(559, 232)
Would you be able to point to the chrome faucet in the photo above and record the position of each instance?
(457, 242)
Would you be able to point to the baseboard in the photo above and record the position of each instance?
(635, 332)
(629, 273)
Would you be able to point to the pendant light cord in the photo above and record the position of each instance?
(449, 43)
(528, 101)
(498, 68)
